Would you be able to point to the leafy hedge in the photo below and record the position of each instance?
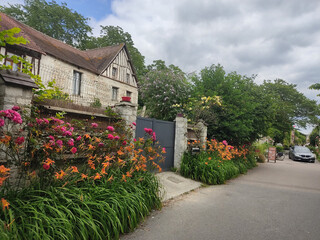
(217, 164)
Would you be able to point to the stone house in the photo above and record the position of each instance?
(103, 74)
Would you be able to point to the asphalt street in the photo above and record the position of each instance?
(272, 201)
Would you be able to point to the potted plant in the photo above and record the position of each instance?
(126, 99)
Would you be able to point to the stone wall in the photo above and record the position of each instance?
(92, 85)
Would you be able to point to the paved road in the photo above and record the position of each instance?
(276, 201)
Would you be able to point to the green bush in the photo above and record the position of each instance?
(102, 211)
(209, 167)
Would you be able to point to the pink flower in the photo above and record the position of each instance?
(100, 144)
(134, 140)
(59, 143)
(73, 150)
(46, 166)
(39, 121)
(1, 122)
(46, 121)
(51, 138)
(148, 130)
(15, 108)
(116, 138)
(153, 136)
(71, 142)
(94, 125)
(67, 133)
(110, 128)
(124, 143)
(19, 140)
(78, 138)
(134, 124)
(110, 136)
(225, 142)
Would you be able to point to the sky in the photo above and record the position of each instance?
(269, 38)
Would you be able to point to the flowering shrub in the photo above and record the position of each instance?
(218, 163)
(55, 152)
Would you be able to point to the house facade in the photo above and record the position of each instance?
(103, 75)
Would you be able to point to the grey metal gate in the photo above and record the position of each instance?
(165, 133)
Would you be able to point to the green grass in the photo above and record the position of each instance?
(214, 171)
(103, 211)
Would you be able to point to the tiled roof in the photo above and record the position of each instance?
(95, 60)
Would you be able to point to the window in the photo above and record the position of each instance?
(115, 93)
(128, 78)
(76, 82)
(128, 94)
(14, 66)
(114, 72)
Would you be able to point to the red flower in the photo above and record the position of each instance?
(19, 140)
(46, 166)
(110, 136)
(73, 150)
(124, 143)
(94, 125)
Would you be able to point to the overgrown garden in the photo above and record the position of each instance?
(73, 181)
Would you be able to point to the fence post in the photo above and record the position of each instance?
(181, 139)
(128, 112)
(202, 128)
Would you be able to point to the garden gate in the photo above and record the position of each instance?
(165, 134)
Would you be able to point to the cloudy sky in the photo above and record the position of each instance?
(273, 38)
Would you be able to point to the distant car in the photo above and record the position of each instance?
(300, 153)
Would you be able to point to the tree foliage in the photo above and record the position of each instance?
(161, 89)
(244, 115)
(290, 107)
(57, 21)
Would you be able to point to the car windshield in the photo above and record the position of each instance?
(302, 149)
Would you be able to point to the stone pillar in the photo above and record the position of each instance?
(202, 130)
(128, 112)
(181, 140)
(15, 89)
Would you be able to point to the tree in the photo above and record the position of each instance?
(161, 89)
(290, 107)
(244, 115)
(111, 35)
(57, 21)
(315, 86)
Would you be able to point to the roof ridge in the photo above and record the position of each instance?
(45, 35)
(94, 49)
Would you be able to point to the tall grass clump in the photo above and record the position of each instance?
(67, 181)
(218, 163)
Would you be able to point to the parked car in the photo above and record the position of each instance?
(300, 153)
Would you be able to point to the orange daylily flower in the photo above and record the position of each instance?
(98, 139)
(83, 176)
(106, 164)
(6, 139)
(87, 136)
(60, 175)
(124, 178)
(4, 170)
(128, 174)
(103, 171)
(206, 163)
(74, 169)
(5, 204)
(110, 178)
(91, 147)
(209, 158)
(2, 179)
(120, 152)
(49, 161)
(47, 146)
(97, 176)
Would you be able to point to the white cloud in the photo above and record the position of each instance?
(274, 39)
